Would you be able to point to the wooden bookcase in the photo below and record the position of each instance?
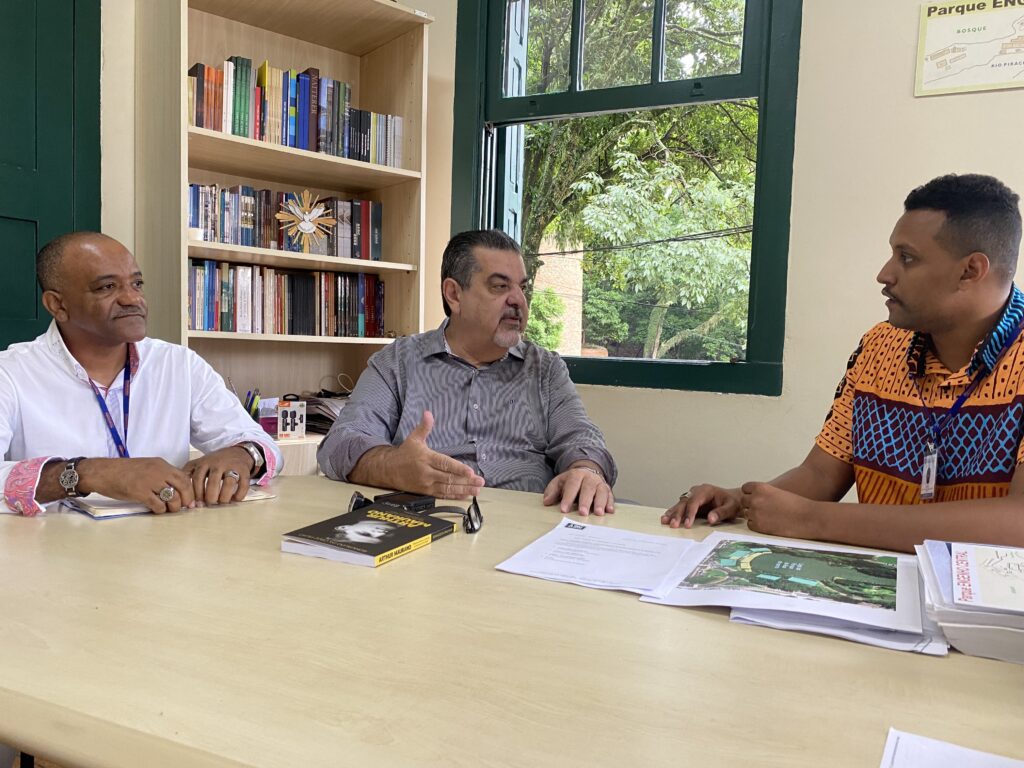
(380, 49)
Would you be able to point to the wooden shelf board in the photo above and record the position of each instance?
(231, 336)
(270, 257)
(224, 153)
(353, 26)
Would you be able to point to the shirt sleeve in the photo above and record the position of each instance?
(571, 435)
(219, 421)
(19, 479)
(836, 436)
(368, 420)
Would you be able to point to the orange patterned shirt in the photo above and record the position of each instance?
(879, 425)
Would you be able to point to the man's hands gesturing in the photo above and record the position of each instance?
(413, 466)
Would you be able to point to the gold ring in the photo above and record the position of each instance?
(166, 493)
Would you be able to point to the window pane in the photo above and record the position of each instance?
(637, 230)
(537, 47)
(702, 38)
(617, 37)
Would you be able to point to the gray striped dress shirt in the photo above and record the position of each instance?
(517, 422)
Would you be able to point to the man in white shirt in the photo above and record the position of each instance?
(66, 398)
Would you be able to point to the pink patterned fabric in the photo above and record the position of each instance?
(270, 466)
(20, 488)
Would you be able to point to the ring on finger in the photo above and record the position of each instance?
(685, 495)
(232, 473)
(166, 493)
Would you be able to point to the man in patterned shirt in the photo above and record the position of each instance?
(471, 403)
(930, 412)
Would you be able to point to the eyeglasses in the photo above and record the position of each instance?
(472, 517)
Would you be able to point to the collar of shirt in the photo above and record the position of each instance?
(55, 343)
(923, 362)
(436, 343)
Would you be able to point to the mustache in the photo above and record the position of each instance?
(888, 294)
(513, 313)
(133, 313)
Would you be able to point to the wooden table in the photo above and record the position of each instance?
(191, 640)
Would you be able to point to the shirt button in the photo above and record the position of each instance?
(476, 406)
(483, 457)
(19, 506)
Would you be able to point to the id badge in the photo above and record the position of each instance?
(929, 468)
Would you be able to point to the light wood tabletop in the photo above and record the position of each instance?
(191, 640)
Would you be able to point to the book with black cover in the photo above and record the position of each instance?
(370, 536)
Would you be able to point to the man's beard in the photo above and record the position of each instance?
(509, 337)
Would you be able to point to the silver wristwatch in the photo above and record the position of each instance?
(69, 478)
(257, 456)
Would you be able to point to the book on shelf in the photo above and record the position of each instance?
(305, 109)
(242, 215)
(250, 298)
(370, 536)
(102, 507)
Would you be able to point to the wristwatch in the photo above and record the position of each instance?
(69, 478)
(257, 456)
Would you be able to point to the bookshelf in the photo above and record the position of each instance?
(379, 47)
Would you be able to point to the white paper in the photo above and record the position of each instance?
(907, 750)
(986, 576)
(931, 640)
(869, 612)
(101, 507)
(604, 558)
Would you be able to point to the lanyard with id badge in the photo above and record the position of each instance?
(930, 460)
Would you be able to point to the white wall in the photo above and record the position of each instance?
(862, 142)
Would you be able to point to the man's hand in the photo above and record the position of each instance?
(413, 466)
(580, 485)
(220, 477)
(138, 480)
(720, 505)
(777, 512)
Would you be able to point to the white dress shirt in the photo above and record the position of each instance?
(48, 410)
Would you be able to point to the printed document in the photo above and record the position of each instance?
(870, 589)
(603, 558)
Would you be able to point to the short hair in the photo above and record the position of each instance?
(982, 214)
(50, 255)
(459, 263)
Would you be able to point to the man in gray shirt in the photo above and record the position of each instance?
(471, 403)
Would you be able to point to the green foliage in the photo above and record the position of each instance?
(545, 326)
(613, 180)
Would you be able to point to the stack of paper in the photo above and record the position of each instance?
(787, 584)
(975, 593)
(321, 412)
(603, 558)
(101, 507)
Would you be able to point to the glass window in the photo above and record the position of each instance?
(637, 228)
(617, 42)
(703, 38)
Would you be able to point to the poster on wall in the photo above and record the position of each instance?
(970, 46)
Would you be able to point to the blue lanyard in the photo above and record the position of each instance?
(122, 449)
(938, 426)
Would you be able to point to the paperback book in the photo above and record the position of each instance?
(370, 536)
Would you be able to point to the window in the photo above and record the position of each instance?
(641, 151)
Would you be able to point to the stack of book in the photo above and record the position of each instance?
(293, 109)
(975, 593)
(244, 298)
(242, 215)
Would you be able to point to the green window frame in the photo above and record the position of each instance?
(769, 64)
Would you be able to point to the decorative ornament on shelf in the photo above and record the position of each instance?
(304, 219)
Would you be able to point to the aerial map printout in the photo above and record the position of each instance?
(970, 46)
